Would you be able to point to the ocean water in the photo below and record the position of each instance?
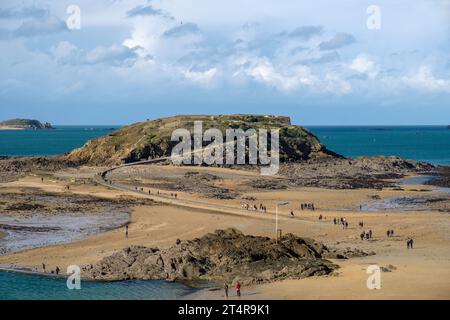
(18, 286)
(424, 143)
(48, 142)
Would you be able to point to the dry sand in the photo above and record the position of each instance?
(421, 273)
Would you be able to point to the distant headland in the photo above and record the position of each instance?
(24, 124)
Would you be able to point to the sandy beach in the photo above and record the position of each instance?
(11, 128)
(421, 273)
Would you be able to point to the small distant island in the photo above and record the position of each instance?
(24, 124)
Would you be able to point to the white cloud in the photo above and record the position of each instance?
(114, 55)
(425, 80)
(32, 11)
(152, 45)
(147, 11)
(339, 40)
(335, 84)
(263, 70)
(204, 77)
(182, 30)
(363, 65)
(39, 27)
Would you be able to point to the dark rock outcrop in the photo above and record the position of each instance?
(441, 179)
(362, 172)
(219, 256)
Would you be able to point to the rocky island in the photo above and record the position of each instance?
(24, 124)
(217, 222)
(152, 139)
(222, 256)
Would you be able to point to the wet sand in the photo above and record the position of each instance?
(423, 272)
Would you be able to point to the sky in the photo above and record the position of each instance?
(349, 62)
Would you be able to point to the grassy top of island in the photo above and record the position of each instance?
(152, 138)
(24, 124)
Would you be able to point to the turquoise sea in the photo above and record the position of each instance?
(48, 142)
(17, 286)
(424, 143)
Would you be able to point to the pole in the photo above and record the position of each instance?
(276, 224)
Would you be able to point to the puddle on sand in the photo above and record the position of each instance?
(405, 203)
(42, 230)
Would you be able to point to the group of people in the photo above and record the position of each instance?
(254, 207)
(56, 271)
(158, 193)
(341, 221)
(307, 206)
(237, 286)
(366, 235)
(390, 233)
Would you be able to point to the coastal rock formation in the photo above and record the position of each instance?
(338, 173)
(24, 124)
(221, 256)
(152, 139)
(442, 178)
(31, 201)
(12, 168)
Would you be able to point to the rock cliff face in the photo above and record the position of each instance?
(24, 124)
(224, 255)
(152, 139)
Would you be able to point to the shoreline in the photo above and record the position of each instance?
(12, 129)
(195, 286)
(159, 226)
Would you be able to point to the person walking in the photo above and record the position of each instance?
(225, 287)
(409, 243)
(126, 231)
(238, 289)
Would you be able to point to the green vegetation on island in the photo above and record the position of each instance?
(152, 139)
(24, 124)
